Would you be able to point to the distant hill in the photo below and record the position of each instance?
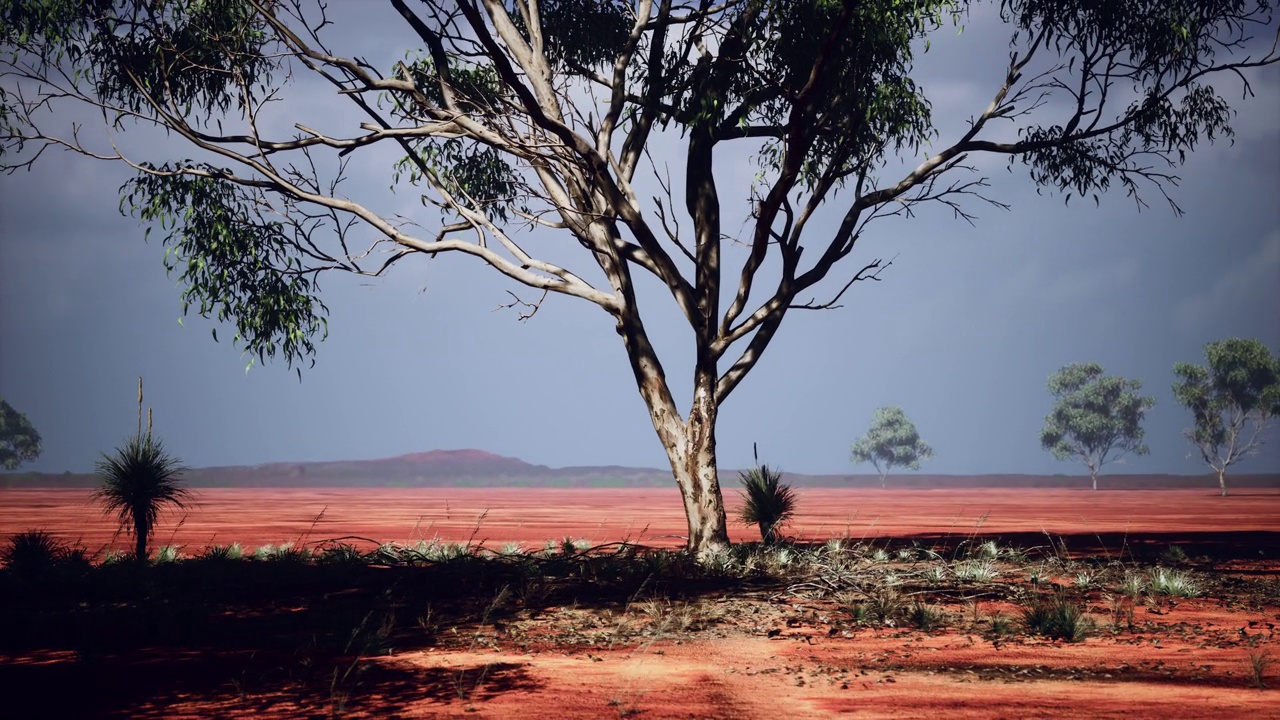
(477, 468)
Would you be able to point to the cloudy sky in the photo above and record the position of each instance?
(962, 332)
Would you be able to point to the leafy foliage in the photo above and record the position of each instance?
(138, 481)
(1096, 418)
(892, 441)
(1232, 400)
(235, 265)
(767, 501)
(19, 441)
(207, 56)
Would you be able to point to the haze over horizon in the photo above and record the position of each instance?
(962, 332)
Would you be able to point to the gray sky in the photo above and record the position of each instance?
(962, 332)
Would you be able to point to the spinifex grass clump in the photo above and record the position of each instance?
(224, 552)
(35, 553)
(167, 554)
(1057, 617)
(340, 553)
(982, 571)
(925, 617)
(1174, 583)
(988, 550)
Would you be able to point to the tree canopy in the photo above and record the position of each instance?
(514, 122)
(891, 441)
(19, 441)
(1232, 400)
(1096, 418)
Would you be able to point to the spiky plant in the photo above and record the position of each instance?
(31, 553)
(767, 502)
(1056, 618)
(138, 481)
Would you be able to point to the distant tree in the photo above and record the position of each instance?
(766, 501)
(1096, 418)
(892, 441)
(138, 481)
(1232, 401)
(534, 137)
(19, 441)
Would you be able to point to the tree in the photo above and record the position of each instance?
(515, 121)
(1096, 418)
(892, 441)
(1232, 401)
(19, 441)
(138, 481)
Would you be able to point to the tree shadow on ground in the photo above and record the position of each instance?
(240, 637)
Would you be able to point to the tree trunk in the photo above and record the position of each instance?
(1095, 480)
(690, 444)
(140, 544)
(1222, 481)
(693, 464)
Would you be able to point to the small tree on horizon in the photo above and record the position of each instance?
(1232, 401)
(892, 441)
(1096, 418)
(19, 441)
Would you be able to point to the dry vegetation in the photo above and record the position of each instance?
(347, 626)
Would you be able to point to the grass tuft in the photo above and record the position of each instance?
(975, 570)
(1058, 618)
(1174, 583)
(925, 617)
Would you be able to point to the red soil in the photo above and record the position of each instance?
(768, 656)
(651, 517)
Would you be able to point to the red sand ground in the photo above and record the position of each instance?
(772, 656)
(650, 517)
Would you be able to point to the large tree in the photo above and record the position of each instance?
(1232, 401)
(516, 115)
(891, 441)
(19, 441)
(1096, 418)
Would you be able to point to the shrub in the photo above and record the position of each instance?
(767, 502)
(33, 553)
(1058, 618)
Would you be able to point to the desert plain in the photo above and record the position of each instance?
(872, 609)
